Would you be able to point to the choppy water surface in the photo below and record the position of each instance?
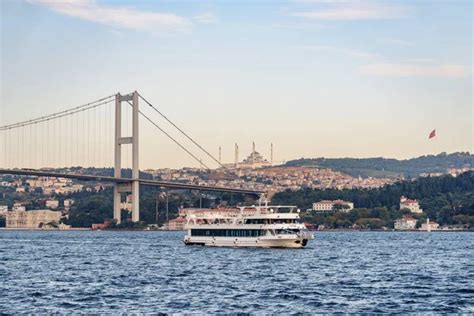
(92, 272)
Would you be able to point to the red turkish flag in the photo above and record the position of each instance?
(432, 134)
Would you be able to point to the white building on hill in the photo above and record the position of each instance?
(412, 205)
(329, 205)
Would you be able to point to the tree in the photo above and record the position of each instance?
(370, 223)
(340, 207)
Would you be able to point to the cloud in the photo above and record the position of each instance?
(344, 51)
(347, 11)
(206, 18)
(412, 70)
(115, 16)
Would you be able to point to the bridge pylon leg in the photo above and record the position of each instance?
(117, 156)
(135, 161)
(135, 201)
(117, 208)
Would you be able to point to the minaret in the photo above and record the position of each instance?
(271, 154)
(253, 153)
(220, 154)
(236, 155)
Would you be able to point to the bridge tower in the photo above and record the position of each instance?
(133, 186)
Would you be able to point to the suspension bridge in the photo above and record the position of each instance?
(95, 135)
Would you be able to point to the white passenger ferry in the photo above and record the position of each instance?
(255, 226)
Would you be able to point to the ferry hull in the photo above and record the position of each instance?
(247, 242)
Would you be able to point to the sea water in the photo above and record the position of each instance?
(147, 272)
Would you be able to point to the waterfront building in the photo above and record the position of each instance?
(33, 219)
(429, 225)
(405, 223)
(412, 205)
(176, 224)
(329, 205)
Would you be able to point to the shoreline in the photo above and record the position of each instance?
(314, 231)
(46, 230)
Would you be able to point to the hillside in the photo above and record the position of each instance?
(388, 167)
(444, 199)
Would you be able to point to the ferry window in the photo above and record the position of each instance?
(198, 232)
(230, 232)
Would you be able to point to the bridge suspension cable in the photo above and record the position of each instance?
(172, 138)
(60, 139)
(84, 107)
(181, 131)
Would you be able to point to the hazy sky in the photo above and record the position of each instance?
(316, 78)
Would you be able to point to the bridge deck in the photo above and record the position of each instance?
(165, 184)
